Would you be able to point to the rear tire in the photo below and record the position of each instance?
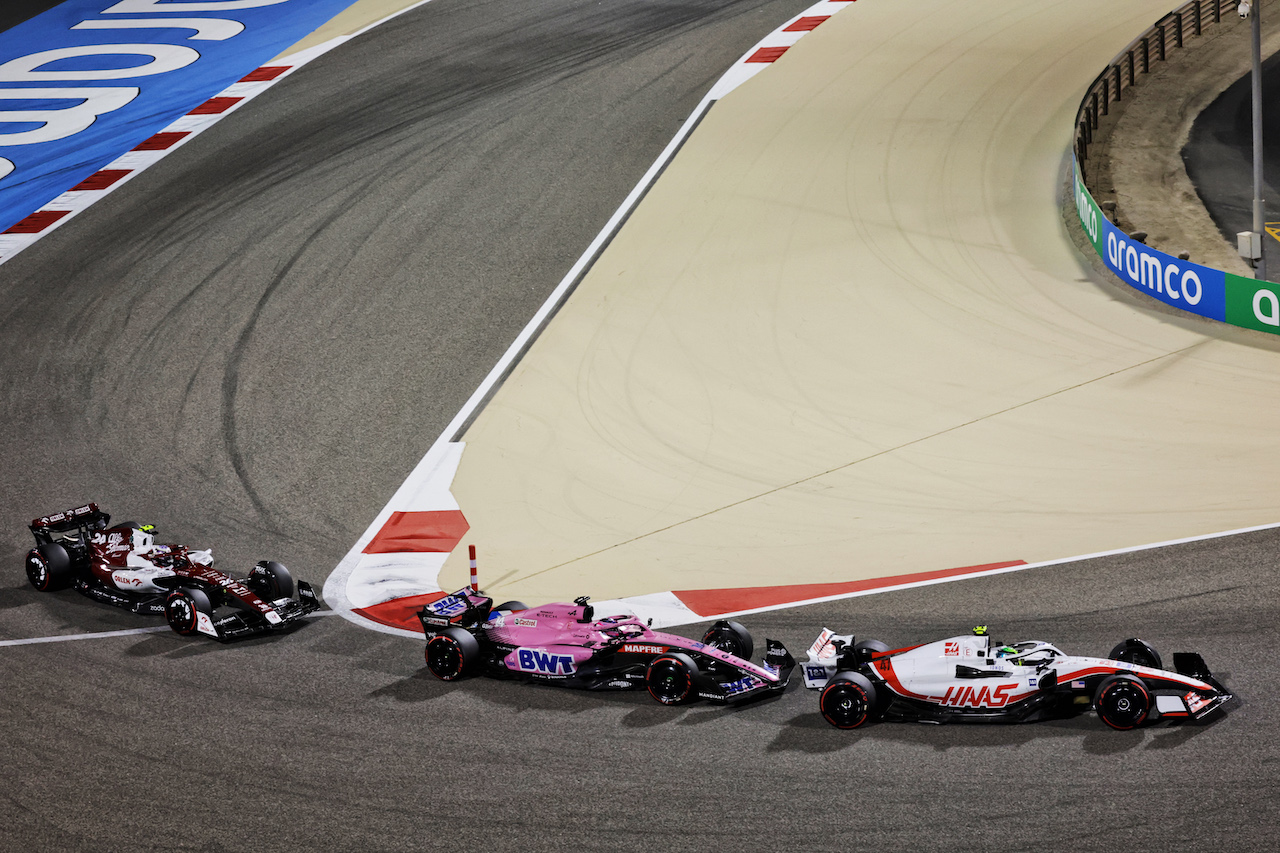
(49, 567)
(273, 580)
(452, 653)
(1122, 701)
(864, 649)
(848, 700)
(182, 610)
(510, 605)
(671, 677)
(730, 637)
(1137, 652)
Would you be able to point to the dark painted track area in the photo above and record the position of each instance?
(14, 12)
(1219, 156)
(339, 739)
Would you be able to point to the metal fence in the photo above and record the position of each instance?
(1121, 74)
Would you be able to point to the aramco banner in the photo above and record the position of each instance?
(1199, 289)
(88, 80)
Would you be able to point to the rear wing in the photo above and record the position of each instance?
(88, 515)
(461, 609)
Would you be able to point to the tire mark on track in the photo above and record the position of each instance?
(231, 376)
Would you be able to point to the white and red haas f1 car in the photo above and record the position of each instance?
(566, 645)
(969, 678)
(123, 566)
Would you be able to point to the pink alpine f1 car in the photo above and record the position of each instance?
(970, 678)
(565, 644)
(122, 565)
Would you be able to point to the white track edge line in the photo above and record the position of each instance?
(126, 632)
(335, 584)
(986, 572)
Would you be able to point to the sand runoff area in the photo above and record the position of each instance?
(847, 335)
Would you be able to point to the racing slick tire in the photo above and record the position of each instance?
(183, 607)
(49, 567)
(864, 649)
(671, 678)
(848, 700)
(452, 653)
(1138, 652)
(1122, 701)
(730, 637)
(273, 579)
(509, 606)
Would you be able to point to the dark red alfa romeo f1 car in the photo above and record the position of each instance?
(122, 565)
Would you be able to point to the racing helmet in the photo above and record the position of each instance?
(143, 539)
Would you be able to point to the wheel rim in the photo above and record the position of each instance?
(182, 614)
(37, 573)
(1124, 704)
(844, 704)
(444, 658)
(668, 682)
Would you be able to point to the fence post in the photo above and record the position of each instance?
(1217, 11)
(1133, 78)
(1146, 55)
(1094, 114)
(1106, 91)
(1177, 33)
(1195, 21)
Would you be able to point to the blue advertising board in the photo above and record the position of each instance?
(1182, 284)
(87, 80)
(1201, 290)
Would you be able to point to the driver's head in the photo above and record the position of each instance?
(143, 538)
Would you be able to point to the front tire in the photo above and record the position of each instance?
(49, 567)
(182, 610)
(848, 700)
(273, 579)
(452, 653)
(731, 638)
(1138, 652)
(1122, 701)
(671, 677)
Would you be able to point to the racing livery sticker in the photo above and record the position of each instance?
(450, 605)
(536, 660)
(643, 648)
(88, 80)
(983, 697)
(742, 685)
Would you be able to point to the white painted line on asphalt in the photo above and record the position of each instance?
(667, 617)
(127, 632)
(62, 638)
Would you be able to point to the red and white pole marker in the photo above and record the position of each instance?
(475, 579)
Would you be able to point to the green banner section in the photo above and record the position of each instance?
(1253, 304)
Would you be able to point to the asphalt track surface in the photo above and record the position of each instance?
(339, 739)
(251, 344)
(14, 12)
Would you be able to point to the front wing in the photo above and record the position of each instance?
(247, 623)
